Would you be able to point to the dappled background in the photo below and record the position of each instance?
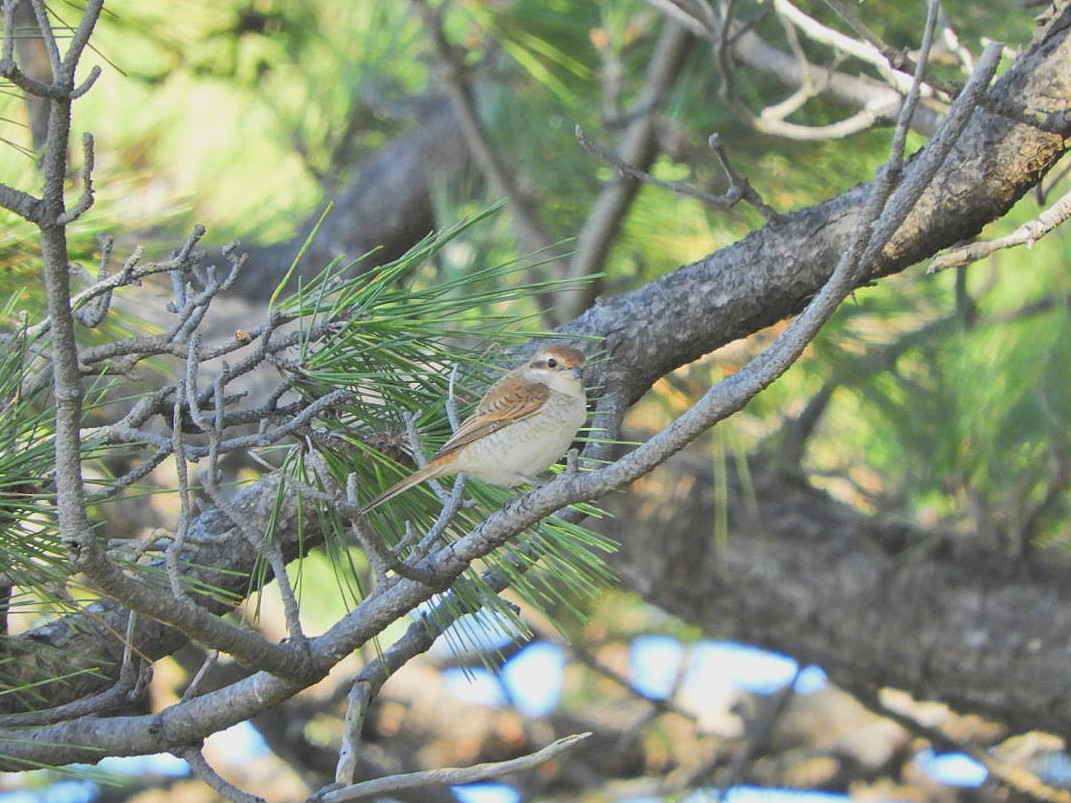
(932, 406)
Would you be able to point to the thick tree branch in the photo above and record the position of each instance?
(873, 602)
(768, 275)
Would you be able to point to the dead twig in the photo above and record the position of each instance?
(450, 775)
(1027, 234)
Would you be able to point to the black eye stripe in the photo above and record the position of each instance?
(553, 363)
(548, 363)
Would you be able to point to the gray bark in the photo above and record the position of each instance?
(874, 602)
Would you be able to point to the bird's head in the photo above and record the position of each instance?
(557, 366)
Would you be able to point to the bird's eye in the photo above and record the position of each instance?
(552, 363)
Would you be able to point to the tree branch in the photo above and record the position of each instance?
(451, 775)
(1027, 234)
(637, 147)
(875, 103)
(876, 603)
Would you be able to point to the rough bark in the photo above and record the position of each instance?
(874, 602)
(86, 650)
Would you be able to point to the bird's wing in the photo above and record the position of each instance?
(511, 399)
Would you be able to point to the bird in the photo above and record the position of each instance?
(522, 426)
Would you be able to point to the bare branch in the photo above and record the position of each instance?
(358, 701)
(87, 84)
(262, 542)
(740, 188)
(86, 201)
(21, 203)
(174, 550)
(73, 521)
(887, 61)
(771, 119)
(446, 515)
(449, 776)
(193, 361)
(7, 56)
(636, 147)
(379, 556)
(41, 13)
(140, 472)
(92, 314)
(747, 192)
(726, 201)
(197, 623)
(203, 770)
(184, 259)
(10, 70)
(194, 685)
(106, 702)
(1027, 234)
(874, 103)
(131, 274)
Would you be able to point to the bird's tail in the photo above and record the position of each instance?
(431, 470)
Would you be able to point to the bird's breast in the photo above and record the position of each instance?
(527, 447)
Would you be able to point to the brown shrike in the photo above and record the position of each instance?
(521, 427)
